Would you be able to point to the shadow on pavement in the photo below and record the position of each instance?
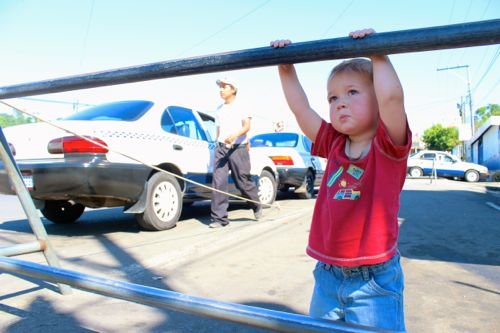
(438, 226)
(42, 314)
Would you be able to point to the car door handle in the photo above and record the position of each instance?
(177, 147)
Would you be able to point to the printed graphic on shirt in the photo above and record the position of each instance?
(333, 178)
(355, 171)
(347, 194)
(343, 183)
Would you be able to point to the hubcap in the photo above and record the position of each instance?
(265, 190)
(165, 201)
(472, 176)
(415, 173)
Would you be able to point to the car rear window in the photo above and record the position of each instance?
(275, 140)
(123, 110)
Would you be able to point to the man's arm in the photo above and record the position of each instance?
(389, 93)
(308, 120)
(245, 127)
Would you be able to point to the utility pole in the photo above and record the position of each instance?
(469, 97)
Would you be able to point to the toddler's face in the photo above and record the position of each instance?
(353, 104)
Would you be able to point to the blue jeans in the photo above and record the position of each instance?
(367, 295)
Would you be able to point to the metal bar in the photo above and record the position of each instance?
(28, 205)
(243, 314)
(404, 41)
(25, 248)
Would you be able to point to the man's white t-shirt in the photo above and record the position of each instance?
(229, 119)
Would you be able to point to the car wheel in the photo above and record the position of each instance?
(267, 187)
(472, 176)
(163, 203)
(309, 184)
(416, 172)
(62, 211)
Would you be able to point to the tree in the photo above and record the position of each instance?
(7, 120)
(440, 138)
(484, 113)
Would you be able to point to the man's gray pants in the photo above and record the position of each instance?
(236, 159)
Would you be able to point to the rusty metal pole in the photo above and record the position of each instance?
(29, 207)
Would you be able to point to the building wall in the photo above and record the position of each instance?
(490, 149)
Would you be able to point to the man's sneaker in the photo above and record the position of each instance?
(257, 212)
(214, 225)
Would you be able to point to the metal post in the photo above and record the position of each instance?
(472, 127)
(28, 206)
(238, 313)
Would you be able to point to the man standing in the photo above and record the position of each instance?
(233, 123)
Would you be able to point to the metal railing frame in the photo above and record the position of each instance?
(415, 40)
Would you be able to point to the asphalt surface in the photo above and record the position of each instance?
(448, 242)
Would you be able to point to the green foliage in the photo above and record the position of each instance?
(7, 120)
(485, 112)
(440, 138)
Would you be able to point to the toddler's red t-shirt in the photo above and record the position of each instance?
(355, 218)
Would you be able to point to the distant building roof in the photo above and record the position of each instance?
(492, 121)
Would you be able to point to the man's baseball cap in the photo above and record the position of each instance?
(226, 80)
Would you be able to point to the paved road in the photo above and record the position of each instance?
(449, 244)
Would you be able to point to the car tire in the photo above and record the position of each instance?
(309, 185)
(416, 172)
(471, 176)
(62, 211)
(163, 203)
(267, 188)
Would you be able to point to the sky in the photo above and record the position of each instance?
(54, 38)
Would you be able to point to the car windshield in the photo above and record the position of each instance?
(123, 110)
(275, 140)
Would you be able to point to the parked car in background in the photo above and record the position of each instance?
(66, 173)
(291, 153)
(446, 166)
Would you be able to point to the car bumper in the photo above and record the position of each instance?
(291, 176)
(95, 182)
(484, 176)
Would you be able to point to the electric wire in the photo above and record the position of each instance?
(223, 28)
(492, 62)
(337, 19)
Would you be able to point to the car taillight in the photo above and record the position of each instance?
(75, 144)
(282, 160)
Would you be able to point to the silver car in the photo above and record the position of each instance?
(291, 154)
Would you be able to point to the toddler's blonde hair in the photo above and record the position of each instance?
(358, 65)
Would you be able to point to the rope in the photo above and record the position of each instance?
(274, 205)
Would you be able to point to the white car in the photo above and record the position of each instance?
(446, 166)
(65, 173)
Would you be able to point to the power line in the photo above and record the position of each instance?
(449, 21)
(337, 19)
(485, 9)
(85, 38)
(224, 28)
(489, 92)
(492, 62)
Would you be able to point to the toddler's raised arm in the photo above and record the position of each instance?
(308, 120)
(389, 93)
